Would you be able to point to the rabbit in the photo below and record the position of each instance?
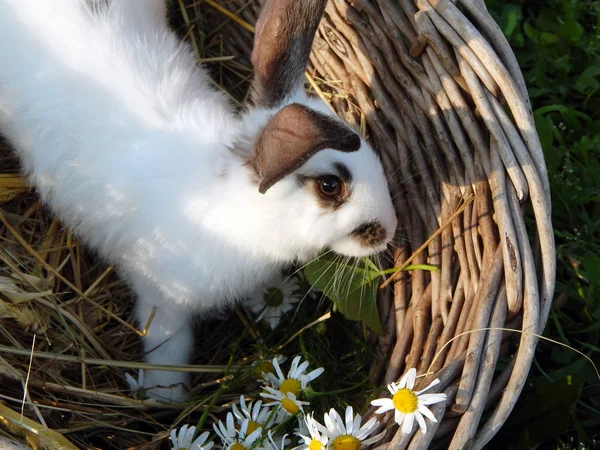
(195, 203)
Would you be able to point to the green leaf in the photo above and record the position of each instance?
(571, 30)
(545, 129)
(512, 15)
(548, 38)
(531, 32)
(591, 265)
(587, 82)
(352, 287)
(552, 108)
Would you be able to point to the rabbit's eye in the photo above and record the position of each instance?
(330, 186)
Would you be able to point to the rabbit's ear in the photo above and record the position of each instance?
(284, 35)
(292, 136)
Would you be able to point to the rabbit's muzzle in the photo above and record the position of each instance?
(370, 234)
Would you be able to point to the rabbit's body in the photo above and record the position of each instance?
(125, 140)
(112, 170)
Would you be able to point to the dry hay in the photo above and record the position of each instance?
(434, 92)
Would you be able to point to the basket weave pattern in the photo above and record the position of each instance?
(435, 87)
(446, 105)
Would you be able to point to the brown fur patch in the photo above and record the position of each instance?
(292, 136)
(370, 234)
(284, 35)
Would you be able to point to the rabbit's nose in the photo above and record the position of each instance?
(370, 234)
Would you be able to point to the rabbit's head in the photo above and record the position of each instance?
(301, 155)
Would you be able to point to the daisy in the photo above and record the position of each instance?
(273, 302)
(409, 405)
(258, 416)
(183, 441)
(264, 366)
(234, 439)
(302, 427)
(296, 378)
(137, 386)
(270, 444)
(348, 434)
(286, 402)
(310, 434)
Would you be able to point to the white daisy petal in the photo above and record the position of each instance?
(384, 409)
(375, 438)
(133, 384)
(399, 417)
(338, 421)
(404, 380)
(382, 402)
(200, 443)
(299, 370)
(261, 316)
(173, 438)
(421, 422)
(432, 384)
(393, 388)
(274, 320)
(367, 428)
(253, 436)
(349, 420)
(270, 378)
(277, 368)
(185, 436)
(411, 376)
(427, 413)
(430, 399)
(329, 423)
(285, 308)
(229, 422)
(314, 374)
(294, 365)
(407, 426)
(270, 442)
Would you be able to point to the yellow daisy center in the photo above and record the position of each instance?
(290, 385)
(405, 401)
(273, 297)
(315, 445)
(264, 367)
(252, 427)
(237, 446)
(346, 442)
(290, 406)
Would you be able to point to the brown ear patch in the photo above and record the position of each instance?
(282, 43)
(291, 137)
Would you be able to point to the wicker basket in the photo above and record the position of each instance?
(437, 90)
(445, 102)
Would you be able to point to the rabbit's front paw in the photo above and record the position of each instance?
(172, 394)
(171, 387)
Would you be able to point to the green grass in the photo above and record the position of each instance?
(557, 43)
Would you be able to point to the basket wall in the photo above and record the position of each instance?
(436, 88)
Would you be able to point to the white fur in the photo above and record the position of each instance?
(124, 139)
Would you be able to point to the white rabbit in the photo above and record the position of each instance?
(124, 139)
